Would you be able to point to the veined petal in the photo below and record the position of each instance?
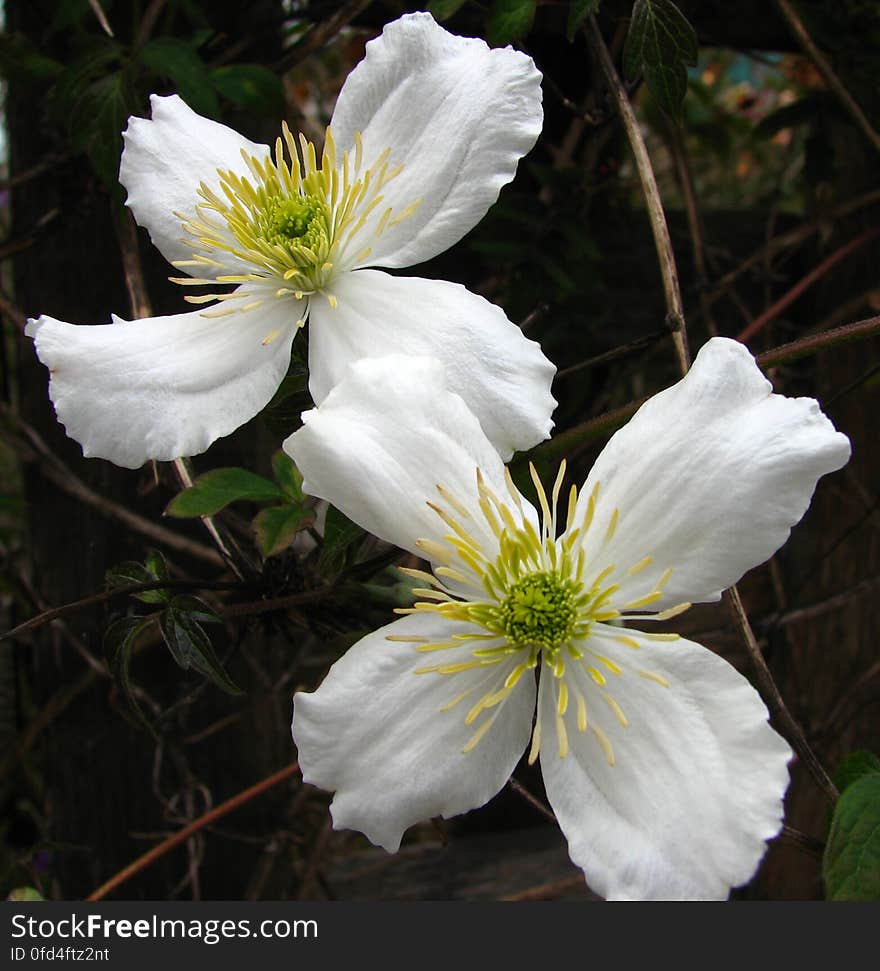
(697, 779)
(164, 160)
(503, 377)
(383, 440)
(163, 387)
(376, 734)
(708, 477)
(457, 115)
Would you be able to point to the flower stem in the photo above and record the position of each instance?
(665, 254)
(790, 728)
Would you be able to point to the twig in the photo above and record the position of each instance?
(34, 171)
(182, 468)
(320, 34)
(60, 475)
(572, 438)
(148, 22)
(800, 31)
(533, 317)
(126, 234)
(565, 442)
(10, 310)
(819, 342)
(809, 843)
(771, 313)
(548, 891)
(313, 866)
(99, 667)
(218, 812)
(694, 220)
(811, 611)
(533, 801)
(47, 616)
(102, 17)
(791, 729)
(665, 254)
(276, 603)
(623, 350)
(792, 238)
(846, 699)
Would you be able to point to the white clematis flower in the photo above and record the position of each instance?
(657, 756)
(426, 131)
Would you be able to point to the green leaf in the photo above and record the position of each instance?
(853, 767)
(191, 647)
(276, 527)
(287, 475)
(178, 60)
(339, 534)
(251, 87)
(210, 492)
(93, 99)
(155, 564)
(124, 574)
(196, 608)
(294, 382)
(119, 642)
(21, 58)
(67, 13)
(509, 20)
(578, 12)
(25, 894)
(444, 9)
(851, 867)
(660, 44)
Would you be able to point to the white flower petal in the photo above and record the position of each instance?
(162, 387)
(163, 162)
(708, 477)
(503, 377)
(374, 732)
(381, 442)
(457, 115)
(698, 776)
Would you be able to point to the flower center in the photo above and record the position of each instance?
(295, 221)
(539, 611)
(291, 225)
(529, 597)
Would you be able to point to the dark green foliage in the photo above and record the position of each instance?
(851, 867)
(340, 535)
(661, 44)
(854, 767)
(276, 527)
(153, 570)
(178, 61)
(250, 87)
(444, 9)
(119, 643)
(578, 12)
(181, 627)
(509, 20)
(214, 490)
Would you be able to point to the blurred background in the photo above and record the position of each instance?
(124, 720)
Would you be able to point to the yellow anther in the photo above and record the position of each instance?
(657, 678)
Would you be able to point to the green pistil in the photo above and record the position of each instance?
(295, 222)
(539, 611)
